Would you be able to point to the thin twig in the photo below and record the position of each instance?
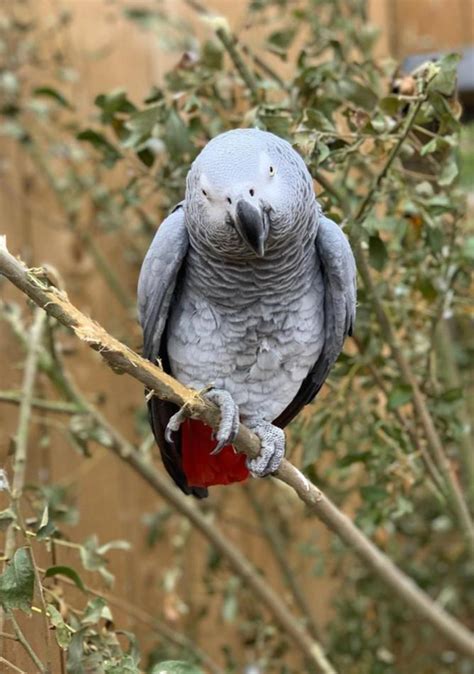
(29, 378)
(124, 359)
(276, 544)
(446, 349)
(12, 666)
(59, 406)
(203, 11)
(229, 42)
(26, 645)
(367, 202)
(101, 262)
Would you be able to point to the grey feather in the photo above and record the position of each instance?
(158, 277)
(339, 278)
(157, 285)
(263, 325)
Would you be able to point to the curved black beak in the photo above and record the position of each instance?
(252, 226)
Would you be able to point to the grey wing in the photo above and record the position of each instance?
(339, 286)
(158, 278)
(157, 287)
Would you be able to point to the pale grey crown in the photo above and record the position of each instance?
(256, 166)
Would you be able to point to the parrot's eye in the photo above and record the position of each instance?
(272, 171)
(204, 192)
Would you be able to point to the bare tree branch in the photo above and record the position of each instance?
(277, 546)
(122, 358)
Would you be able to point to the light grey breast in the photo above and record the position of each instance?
(253, 327)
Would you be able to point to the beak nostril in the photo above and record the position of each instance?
(229, 200)
(251, 192)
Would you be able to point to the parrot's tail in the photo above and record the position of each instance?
(201, 468)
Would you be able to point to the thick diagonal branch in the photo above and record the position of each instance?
(121, 357)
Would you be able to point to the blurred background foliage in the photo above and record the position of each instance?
(384, 149)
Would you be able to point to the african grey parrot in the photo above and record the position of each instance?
(248, 286)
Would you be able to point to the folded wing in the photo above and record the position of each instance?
(339, 286)
(157, 287)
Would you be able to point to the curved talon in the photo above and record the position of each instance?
(175, 422)
(272, 449)
(229, 422)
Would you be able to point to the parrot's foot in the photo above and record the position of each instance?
(228, 425)
(272, 448)
(229, 422)
(175, 422)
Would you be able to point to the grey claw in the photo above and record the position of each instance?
(229, 423)
(219, 447)
(174, 424)
(272, 449)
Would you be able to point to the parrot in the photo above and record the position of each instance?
(247, 293)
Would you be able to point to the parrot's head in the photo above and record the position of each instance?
(247, 193)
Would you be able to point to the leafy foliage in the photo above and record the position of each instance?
(17, 582)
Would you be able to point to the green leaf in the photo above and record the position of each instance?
(17, 582)
(445, 80)
(110, 154)
(176, 667)
(378, 255)
(126, 665)
(46, 527)
(146, 156)
(93, 559)
(373, 493)
(280, 41)
(401, 395)
(68, 572)
(96, 609)
(63, 634)
(354, 457)
(56, 95)
(212, 55)
(112, 104)
(452, 395)
(140, 125)
(449, 173)
(391, 105)
(426, 288)
(430, 147)
(75, 653)
(435, 239)
(359, 94)
(176, 136)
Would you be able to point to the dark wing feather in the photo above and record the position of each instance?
(157, 287)
(339, 279)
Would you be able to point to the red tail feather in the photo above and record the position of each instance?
(200, 467)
